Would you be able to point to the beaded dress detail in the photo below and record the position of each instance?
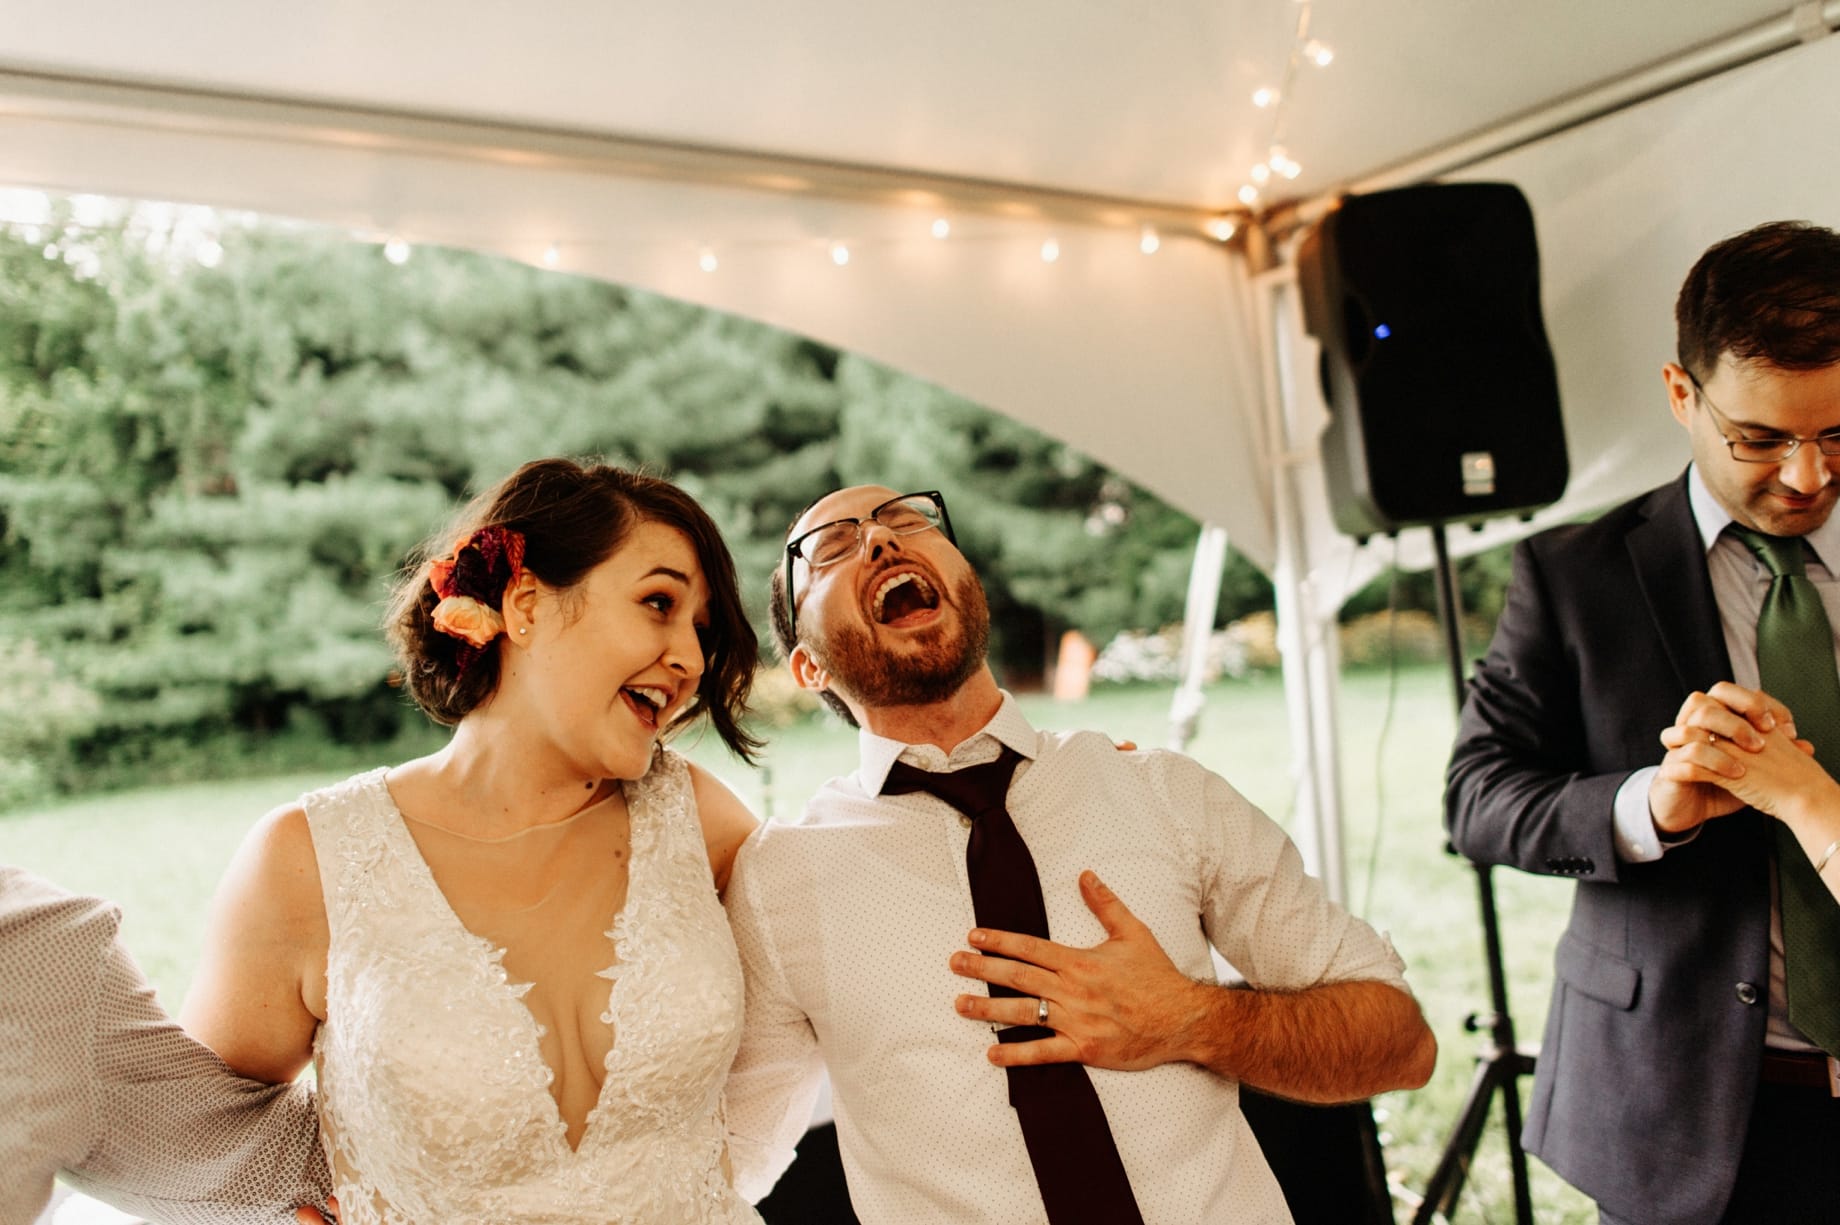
(435, 1097)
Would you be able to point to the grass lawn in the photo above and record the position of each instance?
(160, 851)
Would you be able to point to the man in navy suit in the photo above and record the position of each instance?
(1671, 1086)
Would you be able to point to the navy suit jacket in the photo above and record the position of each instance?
(1648, 1067)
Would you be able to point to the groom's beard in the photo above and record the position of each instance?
(940, 658)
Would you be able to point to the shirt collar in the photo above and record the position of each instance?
(1712, 519)
(1008, 728)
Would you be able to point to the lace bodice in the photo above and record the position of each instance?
(434, 1095)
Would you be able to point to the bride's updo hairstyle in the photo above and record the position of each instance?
(564, 519)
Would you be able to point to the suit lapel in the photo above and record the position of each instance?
(1670, 566)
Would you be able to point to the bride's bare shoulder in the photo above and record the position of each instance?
(727, 822)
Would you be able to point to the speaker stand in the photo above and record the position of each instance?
(1500, 1063)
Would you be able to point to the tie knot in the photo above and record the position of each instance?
(1784, 555)
(974, 790)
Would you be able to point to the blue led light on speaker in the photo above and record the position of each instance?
(1381, 331)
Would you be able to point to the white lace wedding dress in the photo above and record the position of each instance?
(435, 1096)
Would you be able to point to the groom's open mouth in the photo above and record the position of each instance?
(904, 599)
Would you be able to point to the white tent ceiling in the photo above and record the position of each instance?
(630, 141)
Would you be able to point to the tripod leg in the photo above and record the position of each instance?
(1446, 1182)
(1517, 1156)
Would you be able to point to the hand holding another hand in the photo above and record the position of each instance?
(1711, 737)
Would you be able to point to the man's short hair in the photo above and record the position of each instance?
(783, 637)
(1770, 294)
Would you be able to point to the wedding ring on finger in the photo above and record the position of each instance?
(1041, 1011)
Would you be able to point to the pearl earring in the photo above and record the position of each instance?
(522, 630)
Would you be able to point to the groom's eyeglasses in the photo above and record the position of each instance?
(830, 543)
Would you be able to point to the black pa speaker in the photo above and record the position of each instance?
(1443, 397)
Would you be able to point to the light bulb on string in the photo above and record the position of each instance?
(706, 260)
(1318, 52)
(1050, 251)
(840, 254)
(396, 251)
(942, 228)
(1148, 241)
(1264, 96)
(210, 253)
(1221, 229)
(1248, 194)
(1261, 174)
(552, 255)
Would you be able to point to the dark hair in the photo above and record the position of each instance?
(782, 620)
(1770, 294)
(572, 519)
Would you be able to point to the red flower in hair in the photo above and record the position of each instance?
(472, 582)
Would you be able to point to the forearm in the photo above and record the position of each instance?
(1334, 1043)
(1814, 819)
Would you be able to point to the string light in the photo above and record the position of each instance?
(200, 242)
(1275, 99)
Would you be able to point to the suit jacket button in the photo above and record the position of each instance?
(1747, 993)
(1587, 866)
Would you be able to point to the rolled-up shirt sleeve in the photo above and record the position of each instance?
(131, 1109)
(1272, 921)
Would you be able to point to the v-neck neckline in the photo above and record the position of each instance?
(489, 958)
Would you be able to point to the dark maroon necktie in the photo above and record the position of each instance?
(1063, 1123)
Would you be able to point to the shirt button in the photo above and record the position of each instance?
(1747, 993)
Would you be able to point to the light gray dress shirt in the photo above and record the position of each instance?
(846, 918)
(96, 1080)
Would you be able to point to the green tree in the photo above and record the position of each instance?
(209, 476)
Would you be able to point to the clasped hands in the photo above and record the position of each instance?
(1731, 748)
(1121, 1004)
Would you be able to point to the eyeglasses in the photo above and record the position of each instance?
(830, 543)
(1762, 450)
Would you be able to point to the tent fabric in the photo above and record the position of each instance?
(1023, 123)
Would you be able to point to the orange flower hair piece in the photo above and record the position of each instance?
(472, 582)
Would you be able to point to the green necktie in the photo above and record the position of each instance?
(1795, 661)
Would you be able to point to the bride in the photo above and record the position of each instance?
(508, 959)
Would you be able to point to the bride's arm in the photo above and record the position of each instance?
(727, 823)
(259, 993)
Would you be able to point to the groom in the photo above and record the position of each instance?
(969, 846)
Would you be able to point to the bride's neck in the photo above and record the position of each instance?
(487, 782)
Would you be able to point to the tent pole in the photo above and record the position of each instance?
(1197, 630)
(1306, 634)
